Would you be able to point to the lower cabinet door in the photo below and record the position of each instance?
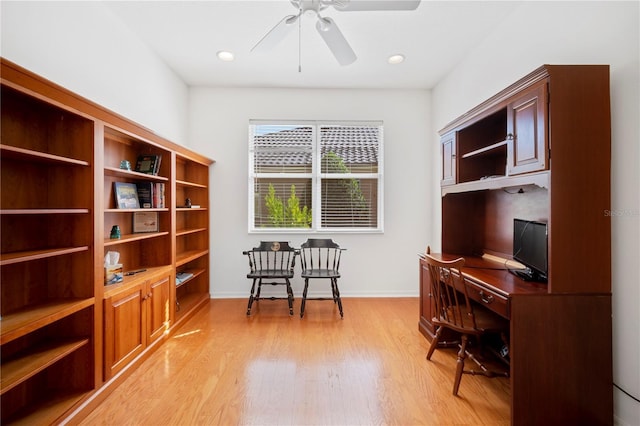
(158, 308)
(124, 329)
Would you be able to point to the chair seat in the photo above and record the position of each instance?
(320, 273)
(271, 273)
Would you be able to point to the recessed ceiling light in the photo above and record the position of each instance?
(395, 59)
(223, 55)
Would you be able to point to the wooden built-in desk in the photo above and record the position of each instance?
(490, 283)
(539, 150)
(548, 348)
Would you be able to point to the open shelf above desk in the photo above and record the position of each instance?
(487, 150)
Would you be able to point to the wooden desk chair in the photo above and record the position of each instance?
(274, 262)
(455, 311)
(321, 260)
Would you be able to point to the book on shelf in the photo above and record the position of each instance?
(126, 195)
(151, 195)
(145, 194)
(149, 164)
(158, 195)
(182, 277)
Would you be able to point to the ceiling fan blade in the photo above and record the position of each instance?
(357, 5)
(276, 34)
(338, 45)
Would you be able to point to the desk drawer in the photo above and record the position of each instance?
(488, 298)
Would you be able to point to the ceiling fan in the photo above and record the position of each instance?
(326, 26)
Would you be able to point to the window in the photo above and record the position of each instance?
(319, 176)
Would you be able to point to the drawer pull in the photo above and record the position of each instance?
(488, 299)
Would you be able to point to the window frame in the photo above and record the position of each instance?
(316, 177)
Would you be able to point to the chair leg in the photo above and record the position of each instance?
(304, 296)
(253, 287)
(434, 343)
(289, 297)
(336, 295)
(257, 296)
(460, 367)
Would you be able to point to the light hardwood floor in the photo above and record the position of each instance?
(224, 368)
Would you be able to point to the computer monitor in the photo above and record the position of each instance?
(530, 249)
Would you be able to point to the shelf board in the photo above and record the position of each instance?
(182, 232)
(114, 171)
(540, 179)
(190, 209)
(26, 320)
(132, 280)
(195, 273)
(26, 256)
(190, 255)
(13, 152)
(35, 360)
(188, 303)
(485, 150)
(163, 209)
(190, 184)
(43, 211)
(133, 237)
(49, 411)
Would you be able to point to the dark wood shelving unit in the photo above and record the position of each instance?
(561, 329)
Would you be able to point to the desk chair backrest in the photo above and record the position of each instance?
(449, 291)
(320, 254)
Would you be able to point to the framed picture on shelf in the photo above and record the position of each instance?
(145, 222)
(149, 164)
(126, 195)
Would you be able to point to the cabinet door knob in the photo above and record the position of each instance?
(509, 136)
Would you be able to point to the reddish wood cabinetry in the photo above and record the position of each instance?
(539, 150)
(526, 131)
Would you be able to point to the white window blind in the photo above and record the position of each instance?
(321, 176)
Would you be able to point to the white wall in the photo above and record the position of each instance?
(85, 48)
(575, 33)
(374, 264)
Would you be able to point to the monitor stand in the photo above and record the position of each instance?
(529, 274)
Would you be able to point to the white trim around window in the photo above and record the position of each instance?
(315, 176)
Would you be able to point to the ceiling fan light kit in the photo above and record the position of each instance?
(326, 27)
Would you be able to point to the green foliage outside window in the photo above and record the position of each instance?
(333, 163)
(289, 215)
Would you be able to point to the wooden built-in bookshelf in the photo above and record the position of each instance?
(65, 335)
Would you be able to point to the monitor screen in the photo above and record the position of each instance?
(530, 247)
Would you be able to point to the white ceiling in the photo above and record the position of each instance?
(187, 34)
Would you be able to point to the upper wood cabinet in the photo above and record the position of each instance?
(538, 150)
(507, 137)
(526, 131)
(449, 159)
